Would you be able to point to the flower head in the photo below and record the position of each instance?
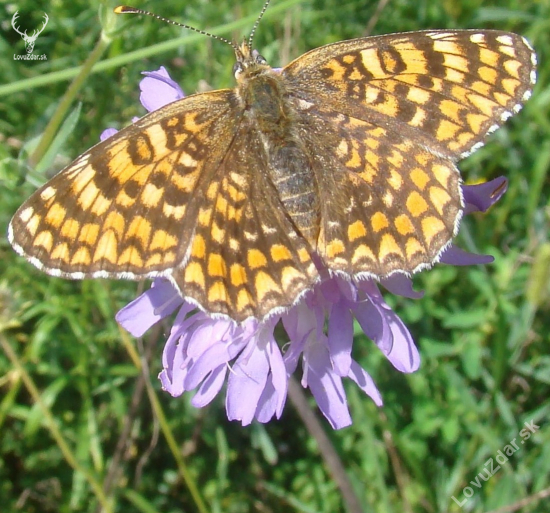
(203, 352)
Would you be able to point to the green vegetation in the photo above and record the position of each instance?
(84, 425)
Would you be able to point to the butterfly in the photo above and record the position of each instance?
(342, 161)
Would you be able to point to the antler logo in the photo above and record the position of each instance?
(29, 40)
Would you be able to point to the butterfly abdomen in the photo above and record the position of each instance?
(289, 168)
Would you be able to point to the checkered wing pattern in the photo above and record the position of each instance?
(395, 113)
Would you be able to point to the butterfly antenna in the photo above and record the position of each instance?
(251, 37)
(126, 9)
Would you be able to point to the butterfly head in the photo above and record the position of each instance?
(249, 62)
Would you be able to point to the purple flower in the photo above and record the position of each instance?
(202, 353)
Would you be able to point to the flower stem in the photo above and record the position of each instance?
(328, 453)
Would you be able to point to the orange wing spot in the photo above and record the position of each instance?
(396, 159)
(116, 223)
(363, 252)
(453, 75)
(235, 194)
(81, 257)
(89, 234)
(244, 300)
(404, 224)
(216, 265)
(420, 178)
(501, 98)
(132, 256)
(463, 139)
(217, 233)
(162, 240)
(412, 247)
(61, 252)
(217, 293)
(512, 67)
(395, 179)
(388, 246)
(356, 230)
(476, 122)
(175, 212)
(100, 205)
(124, 200)
(372, 62)
(484, 104)
(456, 61)
(44, 239)
(418, 95)
(488, 57)
(120, 163)
(221, 204)
(510, 85)
(482, 88)
(238, 275)
(185, 183)
(387, 199)
(446, 130)
(140, 228)
(157, 139)
(194, 274)
(419, 117)
(234, 213)
(451, 109)
(212, 190)
(55, 215)
(355, 160)
(442, 174)
(416, 204)
(372, 143)
(32, 225)
(198, 250)
(280, 252)
(87, 196)
(389, 107)
(334, 248)
(70, 228)
(153, 261)
(489, 75)
(303, 255)
(440, 199)
(431, 228)
(107, 247)
(256, 259)
(264, 285)
(379, 222)
(151, 195)
(204, 216)
(288, 275)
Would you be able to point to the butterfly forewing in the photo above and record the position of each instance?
(445, 90)
(127, 207)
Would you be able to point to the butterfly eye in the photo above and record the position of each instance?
(238, 68)
(258, 58)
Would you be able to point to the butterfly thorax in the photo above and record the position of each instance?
(268, 111)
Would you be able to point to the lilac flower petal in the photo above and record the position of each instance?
(210, 387)
(404, 355)
(326, 386)
(479, 197)
(365, 382)
(158, 89)
(212, 358)
(456, 256)
(340, 337)
(245, 385)
(149, 308)
(108, 132)
(374, 325)
(401, 285)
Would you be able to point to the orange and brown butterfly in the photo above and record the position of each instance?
(344, 160)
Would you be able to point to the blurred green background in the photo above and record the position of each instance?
(84, 425)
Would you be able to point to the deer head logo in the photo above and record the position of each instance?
(29, 40)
